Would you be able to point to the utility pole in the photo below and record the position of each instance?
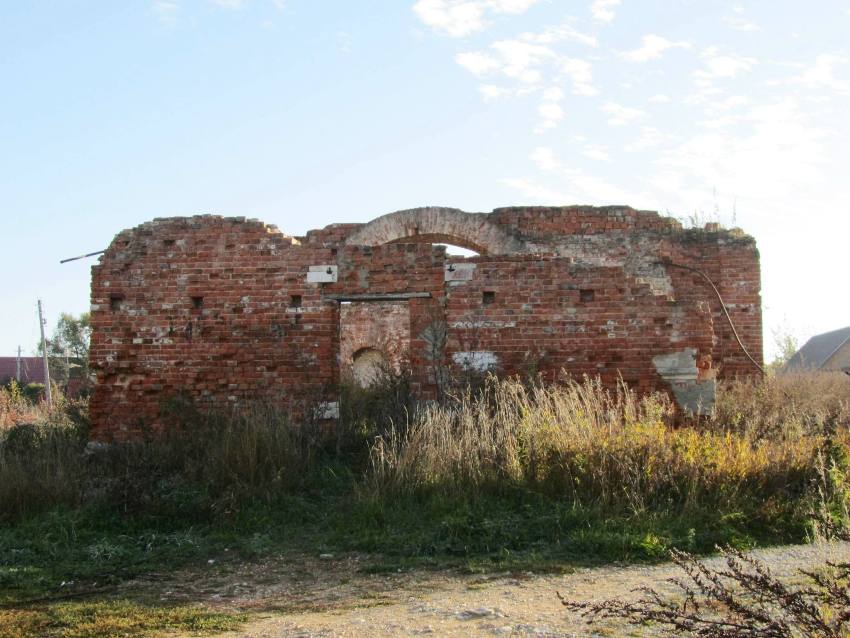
(18, 366)
(47, 392)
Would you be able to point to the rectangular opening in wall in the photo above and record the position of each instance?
(586, 295)
(197, 302)
(488, 297)
(294, 301)
(115, 301)
(168, 242)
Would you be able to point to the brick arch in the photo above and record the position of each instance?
(438, 225)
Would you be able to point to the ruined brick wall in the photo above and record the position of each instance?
(225, 311)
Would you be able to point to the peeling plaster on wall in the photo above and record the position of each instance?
(481, 361)
(680, 370)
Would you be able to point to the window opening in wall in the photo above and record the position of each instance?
(586, 295)
(168, 242)
(197, 302)
(488, 297)
(453, 250)
(115, 301)
(295, 301)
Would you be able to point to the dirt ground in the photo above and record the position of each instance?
(331, 596)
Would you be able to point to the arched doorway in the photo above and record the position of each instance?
(368, 366)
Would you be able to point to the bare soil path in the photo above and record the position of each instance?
(331, 597)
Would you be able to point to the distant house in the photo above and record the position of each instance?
(31, 370)
(67, 373)
(827, 351)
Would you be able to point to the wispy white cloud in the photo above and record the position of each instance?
(574, 184)
(550, 114)
(553, 94)
(229, 4)
(477, 62)
(544, 158)
(720, 65)
(560, 33)
(493, 92)
(604, 10)
(649, 137)
(653, 47)
(529, 64)
(521, 61)
(660, 98)
(580, 73)
(822, 75)
(775, 151)
(738, 22)
(459, 18)
(619, 115)
(596, 152)
(727, 104)
(533, 191)
(550, 110)
(166, 11)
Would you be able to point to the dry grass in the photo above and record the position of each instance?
(16, 408)
(599, 448)
(772, 445)
(784, 406)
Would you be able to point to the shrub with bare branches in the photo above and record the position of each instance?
(741, 600)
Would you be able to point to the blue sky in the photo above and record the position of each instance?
(304, 113)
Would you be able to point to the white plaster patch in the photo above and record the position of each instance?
(677, 367)
(477, 360)
(459, 272)
(482, 324)
(323, 274)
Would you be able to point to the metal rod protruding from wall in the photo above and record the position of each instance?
(97, 252)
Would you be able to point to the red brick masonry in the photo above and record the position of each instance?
(227, 310)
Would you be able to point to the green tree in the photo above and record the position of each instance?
(68, 348)
(786, 344)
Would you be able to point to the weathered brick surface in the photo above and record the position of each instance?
(383, 326)
(226, 310)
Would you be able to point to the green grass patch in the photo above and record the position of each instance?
(112, 618)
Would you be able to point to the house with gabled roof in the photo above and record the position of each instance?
(827, 351)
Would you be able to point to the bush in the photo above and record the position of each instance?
(742, 600)
(205, 466)
(784, 406)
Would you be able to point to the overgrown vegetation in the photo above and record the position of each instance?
(517, 475)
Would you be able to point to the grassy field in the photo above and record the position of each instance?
(516, 476)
